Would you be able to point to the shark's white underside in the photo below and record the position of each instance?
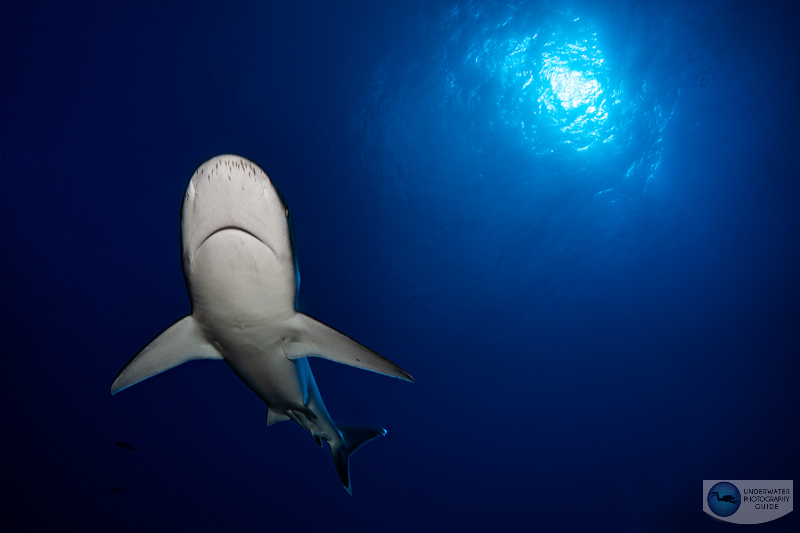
(240, 266)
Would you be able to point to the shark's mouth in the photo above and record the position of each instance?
(233, 228)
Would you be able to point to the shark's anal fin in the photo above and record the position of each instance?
(315, 339)
(181, 342)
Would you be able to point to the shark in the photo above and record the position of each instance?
(239, 257)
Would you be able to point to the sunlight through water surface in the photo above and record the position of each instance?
(534, 93)
(555, 84)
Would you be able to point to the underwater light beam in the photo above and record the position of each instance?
(554, 85)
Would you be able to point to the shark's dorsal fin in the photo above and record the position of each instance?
(181, 342)
(315, 339)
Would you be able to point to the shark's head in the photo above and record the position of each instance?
(229, 193)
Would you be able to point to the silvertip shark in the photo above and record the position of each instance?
(239, 258)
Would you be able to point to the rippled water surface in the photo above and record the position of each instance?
(547, 87)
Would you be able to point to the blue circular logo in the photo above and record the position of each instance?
(724, 499)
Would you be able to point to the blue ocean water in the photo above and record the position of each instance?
(574, 223)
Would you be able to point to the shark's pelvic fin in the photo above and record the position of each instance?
(315, 339)
(181, 342)
(353, 437)
(274, 417)
(299, 413)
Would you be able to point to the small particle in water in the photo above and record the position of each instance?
(126, 446)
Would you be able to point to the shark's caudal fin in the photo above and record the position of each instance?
(181, 342)
(353, 437)
(315, 339)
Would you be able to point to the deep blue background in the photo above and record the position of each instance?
(593, 331)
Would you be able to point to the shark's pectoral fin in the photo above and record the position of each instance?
(181, 342)
(315, 339)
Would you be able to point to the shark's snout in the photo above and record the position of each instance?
(232, 193)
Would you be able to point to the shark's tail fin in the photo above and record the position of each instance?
(353, 437)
